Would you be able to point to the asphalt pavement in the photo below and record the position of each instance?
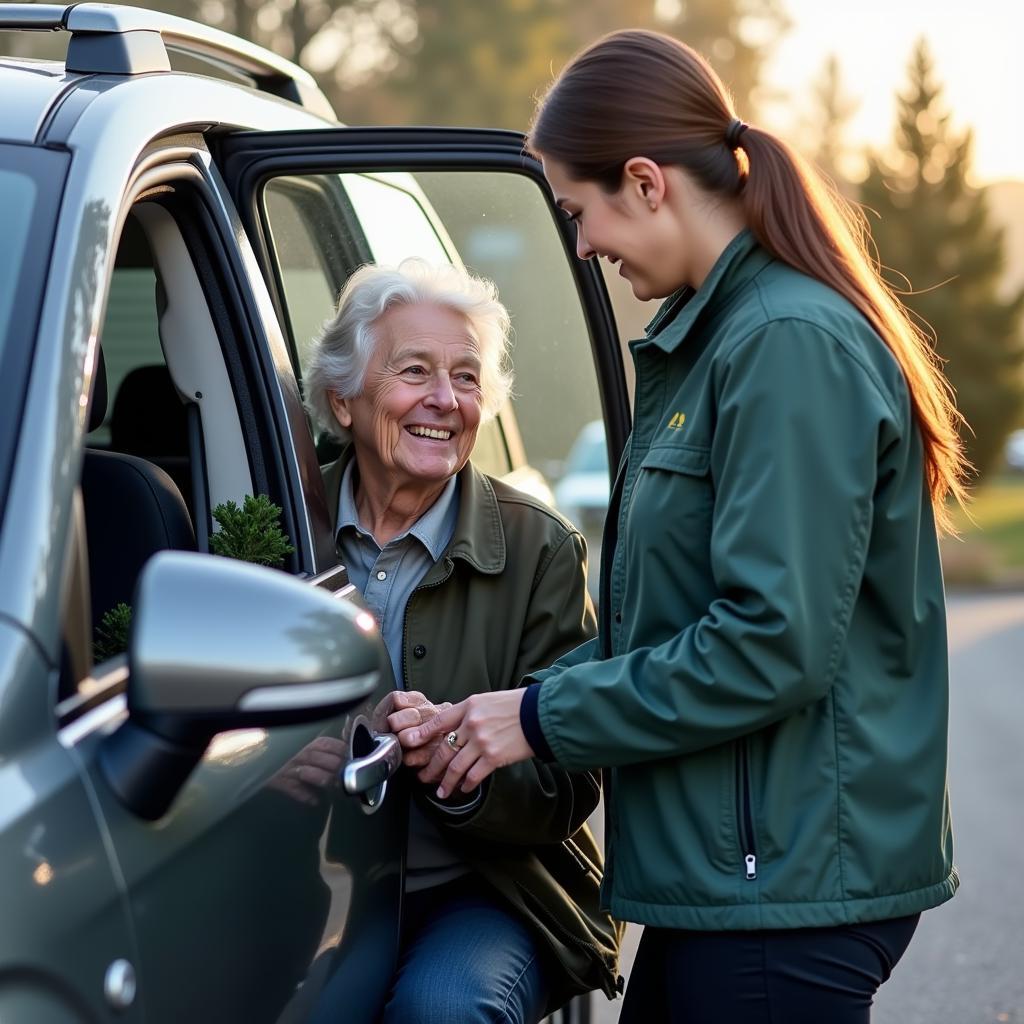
(966, 963)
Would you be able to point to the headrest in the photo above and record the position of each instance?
(98, 393)
(149, 417)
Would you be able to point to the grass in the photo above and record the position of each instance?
(990, 549)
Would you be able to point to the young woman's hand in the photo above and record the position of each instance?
(487, 736)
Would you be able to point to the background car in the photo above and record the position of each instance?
(172, 240)
(582, 492)
(1014, 451)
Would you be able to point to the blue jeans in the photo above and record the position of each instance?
(466, 957)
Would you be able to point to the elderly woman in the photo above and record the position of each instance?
(474, 585)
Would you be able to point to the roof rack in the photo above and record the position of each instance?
(111, 39)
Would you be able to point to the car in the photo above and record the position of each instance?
(582, 492)
(1014, 451)
(180, 211)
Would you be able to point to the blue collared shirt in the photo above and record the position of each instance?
(387, 576)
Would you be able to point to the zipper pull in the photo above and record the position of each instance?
(751, 862)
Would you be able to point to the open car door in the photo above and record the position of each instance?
(317, 204)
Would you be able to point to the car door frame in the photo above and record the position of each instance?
(246, 160)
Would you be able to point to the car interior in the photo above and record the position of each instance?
(164, 440)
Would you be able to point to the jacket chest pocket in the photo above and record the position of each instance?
(671, 506)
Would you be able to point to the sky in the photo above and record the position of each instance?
(976, 45)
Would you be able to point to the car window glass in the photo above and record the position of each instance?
(324, 226)
(17, 201)
(393, 218)
(498, 224)
(504, 229)
(130, 338)
(307, 280)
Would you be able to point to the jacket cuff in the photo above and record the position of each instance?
(457, 804)
(529, 721)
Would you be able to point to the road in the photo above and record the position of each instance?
(966, 963)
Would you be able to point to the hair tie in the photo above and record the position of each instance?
(734, 131)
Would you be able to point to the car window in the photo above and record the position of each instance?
(18, 195)
(322, 227)
(130, 338)
(499, 225)
(504, 229)
(29, 178)
(394, 218)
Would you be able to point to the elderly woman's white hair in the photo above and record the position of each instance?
(341, 355)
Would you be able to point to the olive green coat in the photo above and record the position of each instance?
(771, 678)
(508, 597)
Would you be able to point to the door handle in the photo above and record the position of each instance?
(363, 775)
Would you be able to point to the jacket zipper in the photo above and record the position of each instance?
(746, 817)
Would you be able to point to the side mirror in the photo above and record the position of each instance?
(218, 644)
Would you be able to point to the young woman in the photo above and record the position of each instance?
(769, 686)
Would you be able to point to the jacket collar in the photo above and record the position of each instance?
(741, 260)
(479, 537)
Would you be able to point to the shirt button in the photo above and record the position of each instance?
(618, 617)
(419, 651)
(382, 575)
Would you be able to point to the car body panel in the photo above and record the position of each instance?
(39, 85)
(59, 885)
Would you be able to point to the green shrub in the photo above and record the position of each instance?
(112, 632)
(251, 533)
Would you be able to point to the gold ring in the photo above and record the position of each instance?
(452, 739)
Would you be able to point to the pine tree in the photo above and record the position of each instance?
(935, 237)
(461, 62)
(828, 122)
(736, 36)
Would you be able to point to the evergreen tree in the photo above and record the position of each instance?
(736, 36)
(468, 63)
(828, 122)
(939, 248)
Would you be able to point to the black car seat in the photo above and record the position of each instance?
(149, 420)
(132, 510)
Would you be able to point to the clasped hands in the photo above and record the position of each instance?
(484, 730)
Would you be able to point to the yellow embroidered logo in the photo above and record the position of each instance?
(677, 421)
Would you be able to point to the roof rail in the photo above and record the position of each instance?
(111, 39)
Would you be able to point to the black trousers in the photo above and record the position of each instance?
(783, 976)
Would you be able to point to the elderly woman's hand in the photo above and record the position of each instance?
(486, 735)
(410, 709)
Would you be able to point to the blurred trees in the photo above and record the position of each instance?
(737, 37)
(485, 64)
(477, 64)
(936, 232)
(828, 122)
(465, 62)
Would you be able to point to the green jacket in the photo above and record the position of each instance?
(507, 597)
(770, 683)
